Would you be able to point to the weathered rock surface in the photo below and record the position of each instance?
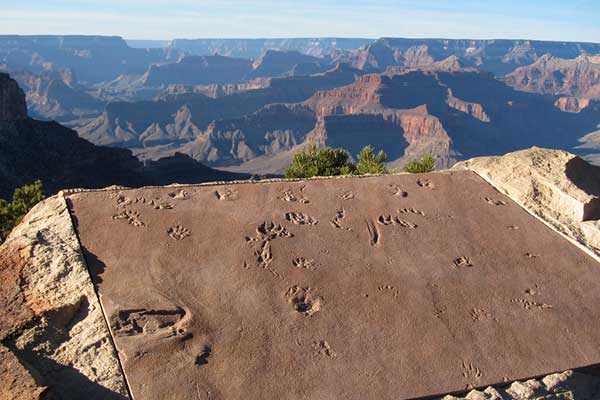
(54, 342)
(12, 100)
(577, 77)
(559, 187)
(299, 289)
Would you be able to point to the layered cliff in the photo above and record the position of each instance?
(578, 77)
(92, 58)
(31, 150)
(497, 56)
(198, 70)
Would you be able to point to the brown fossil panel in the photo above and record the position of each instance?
(384, 298)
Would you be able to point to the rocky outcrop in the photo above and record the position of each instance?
(56, 94)
(31, 150)
(213, 90)
(559, 187)
(123, 123)
(198, 70)
(497, 56)
(572, 104)
(577, 77)
(12, 100)
(275, 63)
(473, 109)
(54, 341)
(563, 385)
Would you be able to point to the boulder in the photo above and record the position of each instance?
(54, 342)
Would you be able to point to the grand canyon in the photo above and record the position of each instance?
(248, 106)
(359, 213)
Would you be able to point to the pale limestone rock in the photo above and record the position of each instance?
(61, 337)
(559, 187)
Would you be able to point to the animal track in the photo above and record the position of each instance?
(494, 202)
(305, 263)
(227, 194)
(141, 321)
(389, 288)
(385, 220)
(131, 216)
(178, 232)
(303, 301)
(158, 204)
(528, 304)
(462, 261)
(397, 191)
(346, 195)
(290, 197)
(425, 183)
(439, 311)
(405, 224)
(411, 210)
(336, 221)
(323, 348)
(389, 220)
(533, 292)
(374, 234)
(202, 358)
(180, 195)
(300, 218)
(271, 230)
(265, 233)
(470, 371)
(479, 314)
(264, 256)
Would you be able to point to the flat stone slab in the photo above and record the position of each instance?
(389, 287)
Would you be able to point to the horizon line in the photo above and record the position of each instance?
(302, 38)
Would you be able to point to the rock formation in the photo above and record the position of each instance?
(54, 342)
(31, 150)
(92, 58)
(578, 77)
(198, 70)
(12, 100)
(444, 109)
(56, 95)
(557, 186)
(275, 63)
(254, 48)
(497, 56)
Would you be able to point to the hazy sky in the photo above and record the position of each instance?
(572, 20)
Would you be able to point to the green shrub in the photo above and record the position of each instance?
(417, 166)
(369, 162)
(319, 162)
(328, 161)
(24, 198)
